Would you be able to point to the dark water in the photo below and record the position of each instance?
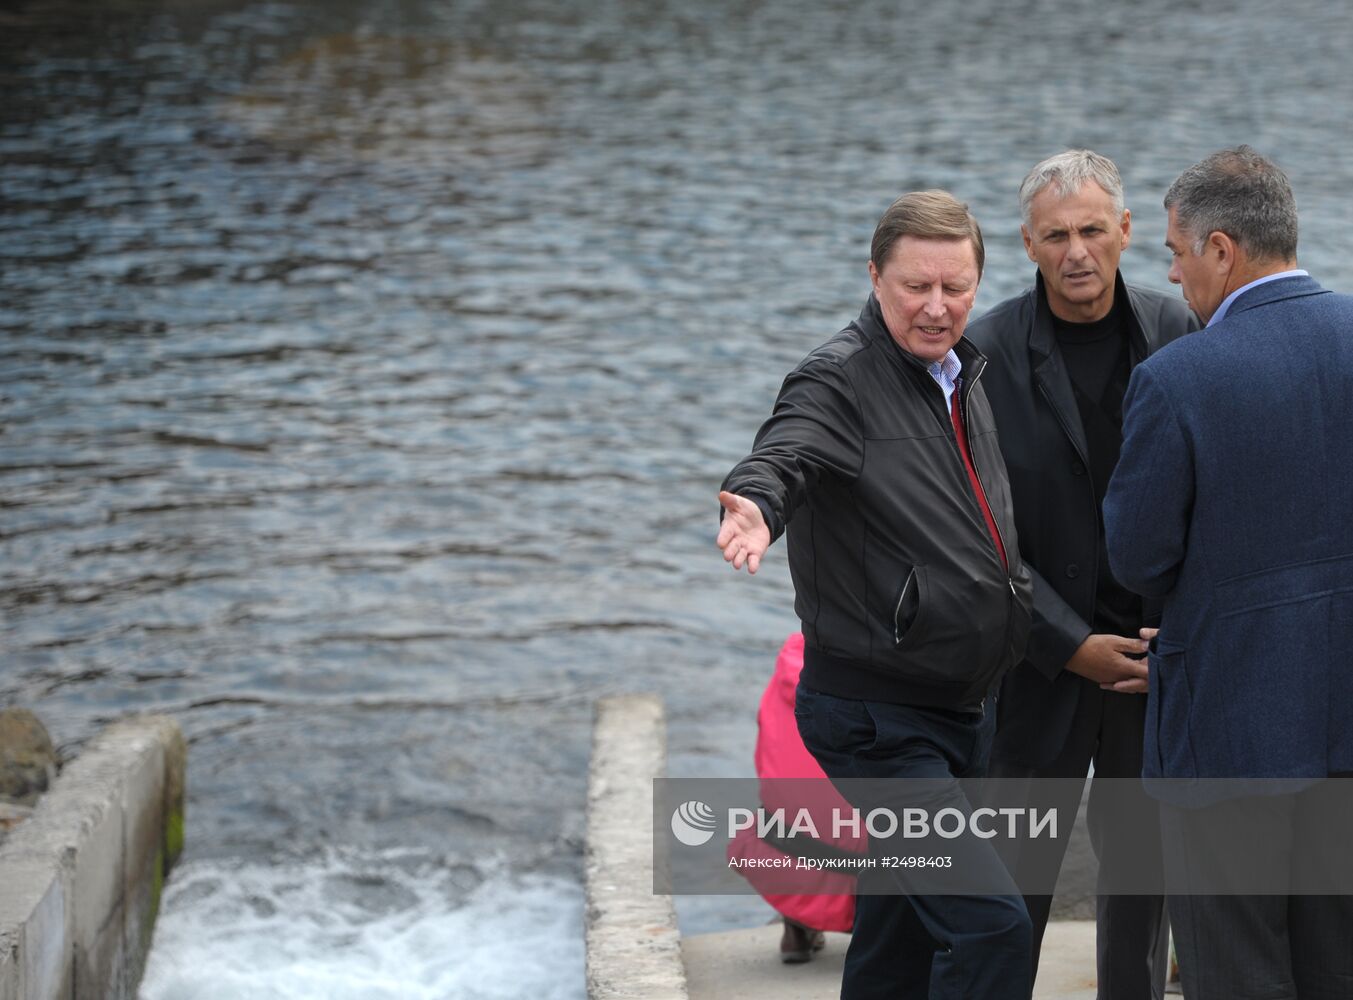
(367, 370)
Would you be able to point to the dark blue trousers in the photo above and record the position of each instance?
(913, 946)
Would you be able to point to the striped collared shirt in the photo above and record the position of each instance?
(946, 372)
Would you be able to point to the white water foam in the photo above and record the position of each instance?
(344, 928)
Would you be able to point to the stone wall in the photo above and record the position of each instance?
(80, 880)
(633, 948)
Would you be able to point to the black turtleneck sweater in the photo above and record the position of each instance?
(1096, 357)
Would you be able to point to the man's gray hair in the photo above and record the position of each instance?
(1066, 172)
(1242, 194)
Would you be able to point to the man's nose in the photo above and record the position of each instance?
(1173, 274)
(936, 304)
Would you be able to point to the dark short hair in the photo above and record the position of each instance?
(1242, 194)
(926, 215)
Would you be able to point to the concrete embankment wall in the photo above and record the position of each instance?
(633, 948)
(80, 880)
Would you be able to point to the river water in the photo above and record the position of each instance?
(368, 369)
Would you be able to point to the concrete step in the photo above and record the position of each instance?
(745, 965)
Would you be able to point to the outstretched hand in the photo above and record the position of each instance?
(743, 535)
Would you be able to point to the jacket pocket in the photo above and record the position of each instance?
(1281, 673)
(909, 609)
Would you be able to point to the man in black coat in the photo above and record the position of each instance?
(879, 463)
(1061, 353)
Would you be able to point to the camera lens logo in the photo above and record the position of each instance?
(693, 823)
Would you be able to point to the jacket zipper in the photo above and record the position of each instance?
(972, 453)
(906, 589)
(1013, 595)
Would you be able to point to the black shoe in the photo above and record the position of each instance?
(798, 942)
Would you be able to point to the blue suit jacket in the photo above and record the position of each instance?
(1233, 501)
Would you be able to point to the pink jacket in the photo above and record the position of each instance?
(824, 900)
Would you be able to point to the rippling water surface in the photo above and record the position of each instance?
(367, 370)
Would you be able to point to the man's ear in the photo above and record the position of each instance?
(1222, 249)
(1127, 229)
(1028, 243)
(874, 276)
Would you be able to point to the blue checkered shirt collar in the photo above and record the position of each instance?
(946, 372)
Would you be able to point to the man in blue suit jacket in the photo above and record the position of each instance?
(1231, 501)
